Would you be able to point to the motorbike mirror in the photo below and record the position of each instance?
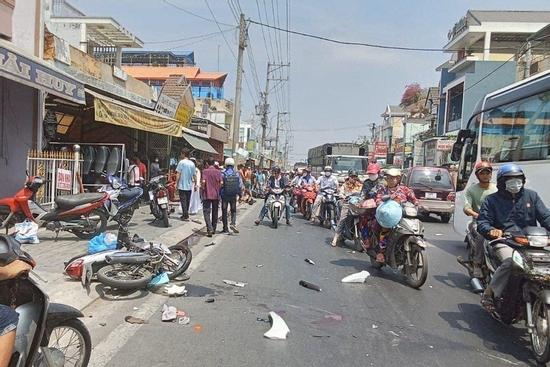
(386, 197)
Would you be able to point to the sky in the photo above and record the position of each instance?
(334, 92)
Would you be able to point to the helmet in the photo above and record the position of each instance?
(276, 169)
(328, 168)
(352, 172)
(482, 165)
(388, 214)
(373, 168)
(394, 172)
(509, 170)
(229, 161)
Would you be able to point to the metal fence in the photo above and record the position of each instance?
(59, 169)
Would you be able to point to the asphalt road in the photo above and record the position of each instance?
(380, 323)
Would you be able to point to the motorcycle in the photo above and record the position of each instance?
(82, 214)
(527, 294)
(123, 200)
(296, 198)
(329, 208)
(48, 334)
(308, 198)
(276, 205)
(352, 224)
(86, 267)
(158, 199)
(405, 248)
(470, 240)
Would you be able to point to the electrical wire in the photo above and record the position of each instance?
(195, 15)
(188, 38)
(220, 29)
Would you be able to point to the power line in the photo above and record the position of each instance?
(187, 38)
(192, 43)
(193, 14)
(332, 129)
(221, 32)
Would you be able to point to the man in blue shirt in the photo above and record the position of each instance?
(185, 179)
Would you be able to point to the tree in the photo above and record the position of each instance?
(411, 95)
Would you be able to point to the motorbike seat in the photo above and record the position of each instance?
(70, 201)
(129, 194)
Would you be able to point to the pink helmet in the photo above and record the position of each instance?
(373, 168)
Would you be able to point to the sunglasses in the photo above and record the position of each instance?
(485, 172)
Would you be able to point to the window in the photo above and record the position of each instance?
(455, 97)
(519, 131)
(431, 178)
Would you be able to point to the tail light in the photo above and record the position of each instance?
(161, 193)
(74, 270)
(451, 196)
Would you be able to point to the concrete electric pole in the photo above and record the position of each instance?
(238, 87)
(277, 134)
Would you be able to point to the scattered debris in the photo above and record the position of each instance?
(175, 290)
(430, 286)
(354, 336)
(321, 336)
(210, 244)
(184, 320)
(309, 261)
(234, 283)
(181, 313)
(134, 320)
(197, 328)
(262, 319)
(439, 234)
(431, 346)
(102, 324)
(136, 308)
(360, 277)
(393, 333)
(374, 326)
(279, 329)
(169, 313)
(334, 317)
(351, 252)
(259, 265)
(209, 300)
(159, 280)
(308, 285)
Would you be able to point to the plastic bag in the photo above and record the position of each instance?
(27, 232)
(159, 280)
(102, 242)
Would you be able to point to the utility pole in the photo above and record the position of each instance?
(238, 86)
(277, 134)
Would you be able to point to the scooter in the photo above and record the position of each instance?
(276, 206)
(158, 199)
(48, 334)
(329, 208)
(352, 224)
(123, 200)
(81, 214)
(308, 198)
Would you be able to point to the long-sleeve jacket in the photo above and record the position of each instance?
(502, 211)
(400, 193)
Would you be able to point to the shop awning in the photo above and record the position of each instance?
(35, 73)
(115, 112)
(199, 144)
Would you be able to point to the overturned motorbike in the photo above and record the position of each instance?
(527, 294)
(276, 206)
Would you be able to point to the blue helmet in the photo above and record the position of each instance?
(389, 213)
(509, 170)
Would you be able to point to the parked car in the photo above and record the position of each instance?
(434, 189)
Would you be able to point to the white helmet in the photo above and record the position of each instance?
(229, 161)
(328, 168)
(394, 172)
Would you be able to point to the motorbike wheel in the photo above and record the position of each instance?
(275, 218)
(124, 276)
(72, 338)
(165, 220)
(308, 211)
(99, 227)
(155, 210)
(420, 264)
(540, 337)
(182, 254)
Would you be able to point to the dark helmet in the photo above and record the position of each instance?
(353, 172)
(482, 165)
(276, 169)
(507, 171)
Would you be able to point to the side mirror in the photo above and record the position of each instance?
(457, 151)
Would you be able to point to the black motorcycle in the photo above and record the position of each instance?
(48, 334)
(158, 199)
(527, 294)
(329, 208)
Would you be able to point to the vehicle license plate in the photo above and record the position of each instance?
(431, 195)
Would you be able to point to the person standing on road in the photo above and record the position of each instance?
(474, 197)
(154, 168)
(185, 179)
(232, 186)
(133, 173)
(195, 201)
(142, 170)
(211, 184)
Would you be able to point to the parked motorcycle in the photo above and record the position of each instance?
(527, 295)
(405, 248)
(81, 214)
(123, 200)
(329, 208)
(308, 198)
(48, 334)
(158, 199)
(276, 206)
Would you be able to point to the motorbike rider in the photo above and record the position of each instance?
(511, 207)
(374, 181)
(351, 186)
(326, 181)
(307, 178)
(276, 181)
(474, 197)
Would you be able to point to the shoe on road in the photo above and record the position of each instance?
(234, 228)
(257, 222)
(288, 223)
(208, 234)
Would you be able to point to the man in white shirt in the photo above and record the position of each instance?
(326, 181)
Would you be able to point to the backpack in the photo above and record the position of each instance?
(231, 184)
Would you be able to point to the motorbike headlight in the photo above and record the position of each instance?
(518, 259)
(538, 241)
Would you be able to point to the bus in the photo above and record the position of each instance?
(510, 125)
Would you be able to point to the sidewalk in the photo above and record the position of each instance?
(50, 255)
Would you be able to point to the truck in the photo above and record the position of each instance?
(340, 156)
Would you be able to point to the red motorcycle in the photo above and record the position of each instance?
(309, 193)
(85, 215)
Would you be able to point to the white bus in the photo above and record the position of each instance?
(509, 125)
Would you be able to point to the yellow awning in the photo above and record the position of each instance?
(119, 113)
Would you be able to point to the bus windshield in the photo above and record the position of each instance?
(344, 164)
(519, 131)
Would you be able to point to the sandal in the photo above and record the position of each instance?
(488, 303)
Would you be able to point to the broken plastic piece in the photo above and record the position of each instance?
(374, 326)
(134, 320)
(175, 290)
(309, 261)
(309, 285)
(279, 330)
(234, 283)
(360, 277)
(184, 320)
(169, 313)
(259, 265)
(210, 244)
(159, 280)
(209, 300)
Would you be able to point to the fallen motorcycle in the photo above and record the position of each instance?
(82, 214)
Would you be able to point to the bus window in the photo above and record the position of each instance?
(519, 131)
(469, 155)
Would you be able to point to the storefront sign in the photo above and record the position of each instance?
(184, 114)
(64, 179)
(135, 118)
(167, 106)
(445, 145)
(458, 28)
(26, 71)
(380, 149)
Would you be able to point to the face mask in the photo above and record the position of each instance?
(373, 177)
(514, 185)
(328, 174)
